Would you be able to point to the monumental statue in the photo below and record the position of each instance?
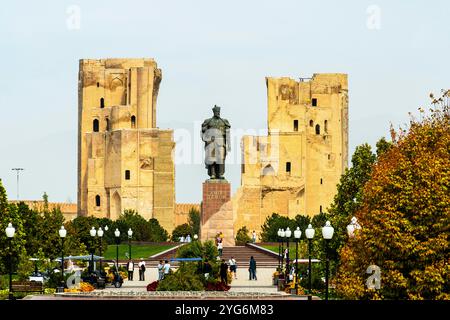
(216, 135)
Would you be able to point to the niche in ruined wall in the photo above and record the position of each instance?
(268, 170)
(117, 91)
(289, 93)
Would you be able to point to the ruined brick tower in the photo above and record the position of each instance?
(124, 160)
(295, 169)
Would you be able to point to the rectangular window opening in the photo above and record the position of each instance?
(288, 167)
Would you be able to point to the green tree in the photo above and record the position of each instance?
(349, 194)
(242, 236)
(31, 220)
(405, 217)
(78, 234)
(269, 230)
(157, 232)
(194, 221)
(16, 246)
(382, 146)
(302, 222)
(181, 231)
(140, 227)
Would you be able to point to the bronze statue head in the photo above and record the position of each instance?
(216, 111)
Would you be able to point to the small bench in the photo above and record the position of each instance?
(27, 286)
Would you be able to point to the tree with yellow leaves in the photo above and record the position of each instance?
(405, 216)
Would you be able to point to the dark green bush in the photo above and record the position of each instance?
(242, 237)
(186, 278)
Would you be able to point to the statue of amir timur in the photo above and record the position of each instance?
(216, 135)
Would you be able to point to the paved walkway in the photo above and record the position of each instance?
(241, 284)
(263, 284)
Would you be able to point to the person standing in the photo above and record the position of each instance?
(254, 236)
(130, 269)
(252, 269)
(166, 268)
(233, 266)
(220, 248)
(224, 272)
(160, 270)
(141, 270)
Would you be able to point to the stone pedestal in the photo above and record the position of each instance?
(217, 211)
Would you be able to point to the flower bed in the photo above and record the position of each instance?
(219, 286)
(84, 287)
(152, 286)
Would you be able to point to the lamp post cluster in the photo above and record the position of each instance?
(93, 234)
(285, 235)
(11, 231)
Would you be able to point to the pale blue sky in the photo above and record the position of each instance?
(211, 52)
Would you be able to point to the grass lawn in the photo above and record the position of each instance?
(137, 251)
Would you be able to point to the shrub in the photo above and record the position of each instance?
(218, 286)
(152, 286)
(196, 249)
(242, 236)
(181, 231)
(185, 278)
(269, 230)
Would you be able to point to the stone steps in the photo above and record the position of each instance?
(242, 255)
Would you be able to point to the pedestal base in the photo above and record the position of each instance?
(217, 211)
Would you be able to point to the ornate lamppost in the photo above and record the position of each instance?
(62, 234)
(130, 234)
(10, 232)
(117, 235)
(279, 248)
(352, 227)
(327, 234)
(100, 234)
(288, 234)
(297, 235)
(93, 233)
(309, 233)
(282, 235)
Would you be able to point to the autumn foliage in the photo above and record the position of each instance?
(405, 218)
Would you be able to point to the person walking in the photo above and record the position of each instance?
(130, 269)
(252, 269)
(233, 266)
(220, 248)
(160, 270)
(166, 268)
(141, 270)
(254, 236)
(224, 272)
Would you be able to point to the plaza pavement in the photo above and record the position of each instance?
(241, 284)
